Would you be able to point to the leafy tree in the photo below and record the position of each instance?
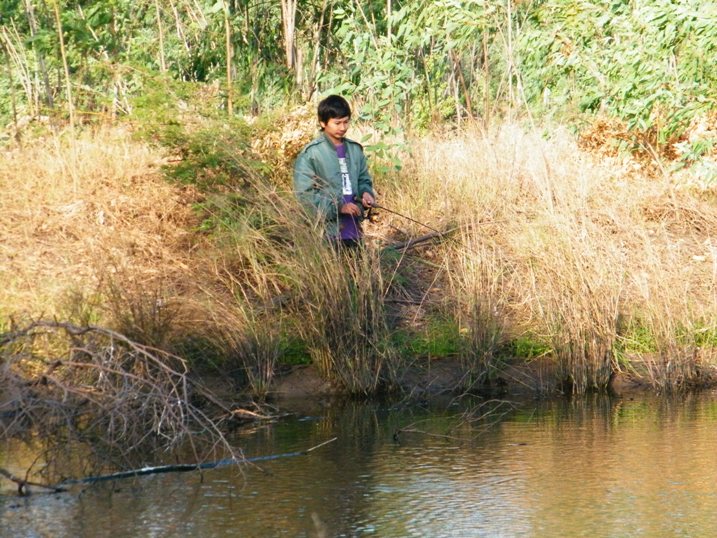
(417, 61)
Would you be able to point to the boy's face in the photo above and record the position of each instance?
(336, 128)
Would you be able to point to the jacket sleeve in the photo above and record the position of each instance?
(365, 183)
(310, 188)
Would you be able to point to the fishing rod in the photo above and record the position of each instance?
(384, 208)
(412, 242)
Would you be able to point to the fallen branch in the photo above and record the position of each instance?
(159, 469)
(405, 245)
(183, 467)
(102, 385)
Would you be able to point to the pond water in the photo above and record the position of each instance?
(593, 467)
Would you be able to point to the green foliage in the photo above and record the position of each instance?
(213, 156)
(528, 347)
(384, 157)
(440, 338)
(294, 351)
(157, 111)
(212, 151)
(645, 63)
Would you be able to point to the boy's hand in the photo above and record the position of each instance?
(367, 200)
(350, 209)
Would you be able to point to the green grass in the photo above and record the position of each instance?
(528, 347)
(294, 351)
(638, 338)
(706, 336)
(440, 338)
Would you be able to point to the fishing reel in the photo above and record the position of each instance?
(370, 214)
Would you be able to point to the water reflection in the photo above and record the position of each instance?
(595, 467)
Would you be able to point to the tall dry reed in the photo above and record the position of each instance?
(339, 298)
(242, 321)
(477, 279)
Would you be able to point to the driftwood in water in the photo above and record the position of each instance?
(159, 469)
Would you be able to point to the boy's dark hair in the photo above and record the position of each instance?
(334, 106)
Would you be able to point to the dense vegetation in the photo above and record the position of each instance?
(596, 266)
(645, 63)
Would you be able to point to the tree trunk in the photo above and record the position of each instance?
(8, 72)
(30, 11)
(63, 52)
(230, 55)
(315, 59)
(388, 20)
(288, 18)
(160, 29)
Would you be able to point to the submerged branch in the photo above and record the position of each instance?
(159, 469)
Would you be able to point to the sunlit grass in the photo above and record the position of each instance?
(576, 245)
(610, 266)
(71, 207)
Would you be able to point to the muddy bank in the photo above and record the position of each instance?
(448, 376)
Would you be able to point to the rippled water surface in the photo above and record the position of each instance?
(642, 467)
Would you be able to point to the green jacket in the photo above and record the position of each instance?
(317, 178)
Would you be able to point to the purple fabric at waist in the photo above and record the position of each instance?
(349, 227)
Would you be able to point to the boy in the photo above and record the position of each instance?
(331, 176)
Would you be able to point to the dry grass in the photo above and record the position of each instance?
(585, 244)
(577, 248)
(73, 211)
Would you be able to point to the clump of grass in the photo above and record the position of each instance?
(582, 314)
(477, 279)
(671, 347)
(341, 297)
(241, 321)
(334, 299)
